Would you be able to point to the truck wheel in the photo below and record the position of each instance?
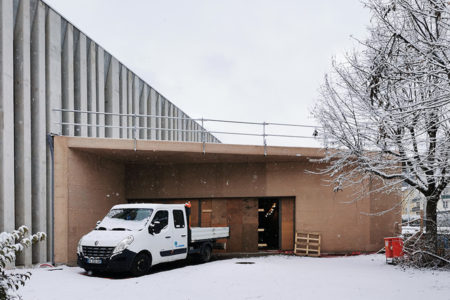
(141, 265)
(205, 254)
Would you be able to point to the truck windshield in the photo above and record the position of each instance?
(125, 219)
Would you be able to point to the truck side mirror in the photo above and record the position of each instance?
(154, 227)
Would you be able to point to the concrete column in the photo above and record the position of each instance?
(152, 111)
(22, 122)
(92, 88)
(130, 103)
(7, 222)
(195, 127)
(171, 122)
(53, 97)
(100, 91)
(165, 121)
(179, 125)
(184, 127)
(175, 123)
(38, 131)
(81, 101)
(68, 81)
(158, 119)
(189, 131)
(123, 100)
(112, 104)
(196, 131)
(143, 111)
(148, 113)
(136, 95)
(168, 120)
(53, 71)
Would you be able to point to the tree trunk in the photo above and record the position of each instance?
(431, 221)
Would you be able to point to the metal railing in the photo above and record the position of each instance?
(197, 128)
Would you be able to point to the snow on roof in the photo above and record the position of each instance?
(148, 205)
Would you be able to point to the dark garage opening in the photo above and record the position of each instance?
(269, 226)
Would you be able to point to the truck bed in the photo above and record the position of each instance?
(209, 233)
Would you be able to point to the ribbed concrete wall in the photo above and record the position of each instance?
(46, 63)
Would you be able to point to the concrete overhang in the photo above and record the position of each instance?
(144, 151)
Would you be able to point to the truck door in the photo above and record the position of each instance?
(162, 233)
(179, 235)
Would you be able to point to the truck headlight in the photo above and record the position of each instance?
(123, 244)
(79, 247)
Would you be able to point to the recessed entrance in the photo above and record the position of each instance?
(268, 224)
(256, 224)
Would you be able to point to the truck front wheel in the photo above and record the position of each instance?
(141, 264)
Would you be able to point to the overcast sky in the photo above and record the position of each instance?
(249, 60)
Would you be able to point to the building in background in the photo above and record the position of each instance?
(414, 204)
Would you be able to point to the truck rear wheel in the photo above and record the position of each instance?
(205, 254)
(141, 264)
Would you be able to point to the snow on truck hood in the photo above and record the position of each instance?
(104, 238)
(121, 225)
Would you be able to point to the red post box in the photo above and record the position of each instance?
(394, 249)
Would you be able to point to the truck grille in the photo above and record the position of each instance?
(99, 252)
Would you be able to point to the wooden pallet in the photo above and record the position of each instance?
(307, 244)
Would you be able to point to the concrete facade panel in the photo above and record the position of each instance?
(68, 102)
(92, 89)
(7, 222)
(152, 112)
(158, 120)
(112, 104)
(142, 112)
(123, 91)
(136, 97)
(81, 92)
(130, 103)
(38, 132)
(100, 91)
(53, 101)
(22, 122)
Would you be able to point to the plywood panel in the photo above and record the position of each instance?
(206, 211)
(249, 225)
(249, 237)
(194, 213)
(235, 222)
(219, 213)
(287, 223)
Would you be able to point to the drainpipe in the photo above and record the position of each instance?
(52, 191)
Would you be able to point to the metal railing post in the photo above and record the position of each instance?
(62, 122)
(203, 137)
(135, 131)
(264, 138)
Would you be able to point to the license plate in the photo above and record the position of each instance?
(94, 261)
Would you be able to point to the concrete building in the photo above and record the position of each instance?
(47, 64)
(80, 132)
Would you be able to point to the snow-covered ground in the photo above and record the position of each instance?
(272, 277)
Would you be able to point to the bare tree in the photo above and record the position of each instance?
(385, 109)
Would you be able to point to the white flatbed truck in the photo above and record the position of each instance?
(134, 237)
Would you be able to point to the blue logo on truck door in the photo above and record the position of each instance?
(178, 246)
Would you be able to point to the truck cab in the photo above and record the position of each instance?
(134, 237)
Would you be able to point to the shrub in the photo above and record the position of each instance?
(10, 245)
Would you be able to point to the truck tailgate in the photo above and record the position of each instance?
(208, 233)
